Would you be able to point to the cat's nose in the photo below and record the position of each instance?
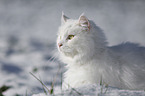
(60, 44)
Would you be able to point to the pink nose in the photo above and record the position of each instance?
(60, 44)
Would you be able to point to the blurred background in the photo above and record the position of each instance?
(28, 31)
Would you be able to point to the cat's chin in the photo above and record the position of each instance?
(70, 54)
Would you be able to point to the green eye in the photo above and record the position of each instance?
(70, 37)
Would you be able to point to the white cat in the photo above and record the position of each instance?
(83, 47)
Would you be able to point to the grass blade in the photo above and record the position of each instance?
(40, 81)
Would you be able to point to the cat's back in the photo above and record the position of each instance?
(129, 48)
(130, 52)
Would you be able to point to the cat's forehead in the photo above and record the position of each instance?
(68, 26)
(70, 23)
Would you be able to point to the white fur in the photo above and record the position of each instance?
(89, 60)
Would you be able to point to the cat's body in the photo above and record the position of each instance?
(82, 46)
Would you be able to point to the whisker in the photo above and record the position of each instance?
(54, 57)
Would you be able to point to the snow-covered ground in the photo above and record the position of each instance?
(96, 90)
(27, 40)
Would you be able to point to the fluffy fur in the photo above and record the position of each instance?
(89, 60)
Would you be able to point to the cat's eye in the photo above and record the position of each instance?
(70, 37)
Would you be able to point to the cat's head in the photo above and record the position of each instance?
(76, 36)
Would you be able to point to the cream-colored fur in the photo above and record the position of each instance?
(89, 60)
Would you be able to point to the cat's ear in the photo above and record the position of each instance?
(84, 22)
(63, 18)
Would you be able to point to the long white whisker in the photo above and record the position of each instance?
(54, 57)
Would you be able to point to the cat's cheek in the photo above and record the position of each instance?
(72, 42)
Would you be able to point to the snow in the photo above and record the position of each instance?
(28, 31)
(97, 90)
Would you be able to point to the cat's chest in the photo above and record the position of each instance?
(83, 74)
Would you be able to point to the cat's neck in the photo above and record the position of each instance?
(89, 56)
(86, 58)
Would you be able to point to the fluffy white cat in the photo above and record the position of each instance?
(83, 48)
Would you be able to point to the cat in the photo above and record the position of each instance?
(83, 47)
